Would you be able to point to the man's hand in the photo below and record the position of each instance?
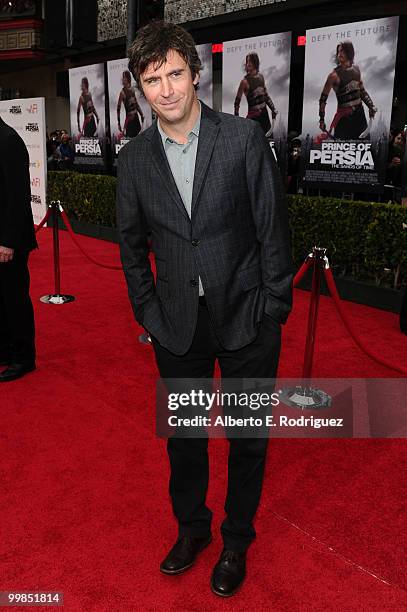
(322, 125)
(6, 254)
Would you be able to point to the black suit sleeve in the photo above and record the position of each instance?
(271, 220)
(133, 232)
(16, 193)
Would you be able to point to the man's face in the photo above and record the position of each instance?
(249, 66)
(341, 55)
(169, 89)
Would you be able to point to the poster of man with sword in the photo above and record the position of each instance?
(256, 83)
(349, 121)
(347, 116)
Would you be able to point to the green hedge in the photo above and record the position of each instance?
(87, 197)
(365, 240)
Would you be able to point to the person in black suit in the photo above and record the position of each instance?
(207, 187)
(17, 239)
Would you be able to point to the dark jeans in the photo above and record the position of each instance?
(16, 311)
(189, 457)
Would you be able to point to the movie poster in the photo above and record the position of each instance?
(129, 112)
(348, 91)
(87, 102)
(205, 80)
(256, 82)
(27, 117)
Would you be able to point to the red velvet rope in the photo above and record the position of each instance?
(72, 235)
(43, 222)
(307, 264)
(337, 301)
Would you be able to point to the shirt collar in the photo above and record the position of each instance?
(195, 130)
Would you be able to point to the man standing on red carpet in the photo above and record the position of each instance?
(17, 239)
(207, 188)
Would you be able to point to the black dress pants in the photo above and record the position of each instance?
(189, 456)
(17, 332)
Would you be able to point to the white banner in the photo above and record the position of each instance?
(27, 117)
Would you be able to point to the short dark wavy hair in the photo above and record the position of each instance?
(348, 49)
(152, 44)
(254, 59)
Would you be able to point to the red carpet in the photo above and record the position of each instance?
(84, 506)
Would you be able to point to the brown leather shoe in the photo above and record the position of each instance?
(229, 573)
(183, 554)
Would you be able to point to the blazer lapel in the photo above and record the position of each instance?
(208, 133)
(163, 168)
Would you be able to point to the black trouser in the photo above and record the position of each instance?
(403, 313)
(352, 126)
(189, 457)
(89, 127)
(263, 119)
(132, 127)
(16, 310)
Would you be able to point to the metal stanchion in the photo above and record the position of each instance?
(318, 256)
(57, 297)
(304, 396)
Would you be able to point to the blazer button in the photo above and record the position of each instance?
(195, 242)
(193, 282)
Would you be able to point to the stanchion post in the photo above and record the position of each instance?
(55, 243)
(303, 396)
(318, 256)
(56, 298)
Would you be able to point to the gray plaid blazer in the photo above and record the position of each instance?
(237, 239)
